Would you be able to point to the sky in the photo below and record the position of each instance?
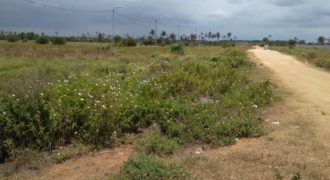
(245, 19)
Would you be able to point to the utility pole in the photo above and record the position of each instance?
(113, 25)
(156, 26)
(179, 32)
(156, 22)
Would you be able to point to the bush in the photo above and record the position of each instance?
(58, 41)
(148, 167)
(155, 143)
(129, 41)
(42, 40)
(12, 38)
(177, 49)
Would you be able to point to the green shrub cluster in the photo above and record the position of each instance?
(197, 100)
(148, 167)
(177, 49)
(12, 38)
(128, 42)
(42, 40)
(157, 144)
(58, 40)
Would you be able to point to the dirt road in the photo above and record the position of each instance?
(313, 85)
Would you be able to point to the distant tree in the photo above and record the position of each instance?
(42, 40)
(265, 40)
(118, 39)
(163, 34)
(172, 37)
(152, 32)
(228, 35)
(193, 38)
(100, 37)
(218, 36)
(321, 40)
(292, 43)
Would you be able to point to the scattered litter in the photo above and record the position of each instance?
(236, 139)
(267, 120)
(199, 151)
(276, 123)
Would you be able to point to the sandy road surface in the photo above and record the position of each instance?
(310, 83)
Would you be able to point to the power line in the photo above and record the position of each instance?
(66, 9)
(134, 19)
(149, 22)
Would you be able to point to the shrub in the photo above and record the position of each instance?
(148, 167)
(58, 41)
(12, 38)
(155, 143)
(42, 40)
(129, 41)
(177, 49)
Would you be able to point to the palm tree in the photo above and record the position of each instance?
(218, 36)
(228, 35)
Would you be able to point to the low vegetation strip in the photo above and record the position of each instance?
(319, 57)
(208, 99)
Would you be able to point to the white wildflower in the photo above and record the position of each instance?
(103, 106)
(82, 99)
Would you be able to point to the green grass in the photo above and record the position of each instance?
(318, 57)
(52, 96)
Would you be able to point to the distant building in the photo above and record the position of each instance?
(327, 41)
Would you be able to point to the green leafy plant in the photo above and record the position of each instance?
(148, 167)
(155, 143)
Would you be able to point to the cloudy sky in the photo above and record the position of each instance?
(246, 19)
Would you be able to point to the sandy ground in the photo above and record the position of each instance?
(296, 140)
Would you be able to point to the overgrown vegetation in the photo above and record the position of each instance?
(157, 144)
(146, 167)
(58, 41)
(177, 49)
(319, 57)
(198, 97)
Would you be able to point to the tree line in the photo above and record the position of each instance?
(152, 38)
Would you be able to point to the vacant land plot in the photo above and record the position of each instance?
(90, 94)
